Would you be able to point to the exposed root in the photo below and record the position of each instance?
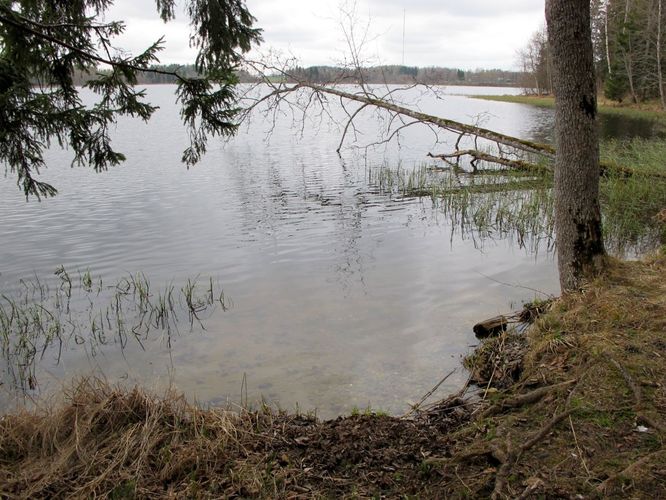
(524, 399)
(512, 455)
(635, 390)
(636, 394)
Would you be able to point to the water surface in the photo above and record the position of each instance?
(342, 295)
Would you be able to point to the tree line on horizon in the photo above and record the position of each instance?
(392, 74)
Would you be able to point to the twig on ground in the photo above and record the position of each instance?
(629, 470)
(636, 394)
(430, 393)
(580, 452)
(635, 390)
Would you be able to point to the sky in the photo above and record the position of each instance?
(466, 34)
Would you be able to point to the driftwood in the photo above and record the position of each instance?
(498, 324)
(490, 327)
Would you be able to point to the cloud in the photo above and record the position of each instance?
(467, 34)
(467, 8)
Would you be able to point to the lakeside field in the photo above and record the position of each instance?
(575, 406)
(650, 111)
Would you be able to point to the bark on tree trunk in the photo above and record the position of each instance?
(580, 248)
(659, 74)
(606, 15)
(628, 59)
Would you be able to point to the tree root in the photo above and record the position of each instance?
(511, 456)
(524, 399)
(640, 417)
(636, 395)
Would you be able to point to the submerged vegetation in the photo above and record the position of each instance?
(580, 411)
(44, 318)
(497, 203)
(491, 204)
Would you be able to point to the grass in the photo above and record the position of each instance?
(495, 203)
(507, 204)
(632, 206)
(596, 356)
(539, 101)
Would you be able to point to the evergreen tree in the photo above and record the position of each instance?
(45, 44)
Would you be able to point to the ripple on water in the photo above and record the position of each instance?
(341, 295)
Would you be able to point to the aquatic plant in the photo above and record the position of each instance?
(42, 318)
(503, 203)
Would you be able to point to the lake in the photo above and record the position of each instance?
(337, 295)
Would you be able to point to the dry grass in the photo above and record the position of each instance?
(586, 417)
(648, 110)
(108, 442)
(600, 436)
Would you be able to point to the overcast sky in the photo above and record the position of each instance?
(466, 34)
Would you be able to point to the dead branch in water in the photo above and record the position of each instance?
(480, 155)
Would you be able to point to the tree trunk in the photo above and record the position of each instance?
(659, 74)
(606, 15)
(580, 248)
(628, 58)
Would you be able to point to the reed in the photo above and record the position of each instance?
(490, 204)
(498, 203)
(632, 205)
(40, 318)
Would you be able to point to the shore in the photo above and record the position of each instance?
(650, 111)
(575, 406)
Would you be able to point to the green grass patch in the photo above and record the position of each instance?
(506, 203)
(632, 205)
(607, 109)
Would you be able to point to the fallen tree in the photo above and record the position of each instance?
(498, 149)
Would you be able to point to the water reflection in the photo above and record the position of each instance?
(622, 127)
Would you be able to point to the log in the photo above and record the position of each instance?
(490, 327)
(444, 123)
(545, 150)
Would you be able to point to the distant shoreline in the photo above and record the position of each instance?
(643, 111)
